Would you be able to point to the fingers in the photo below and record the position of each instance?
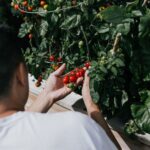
(60, 70)
(79, 81)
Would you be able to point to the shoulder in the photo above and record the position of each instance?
(74, 116)
(65, 119)
(68, 117)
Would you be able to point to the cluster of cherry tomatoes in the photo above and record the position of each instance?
(24, 5)
(71, 78)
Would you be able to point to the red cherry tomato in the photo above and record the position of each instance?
(77, 69)
(72, 79)
(40, 78)
(30, 8)
(25, 3)
(30, 36)
(42, 3)
(52, 58)
(82, 71)
(66, 80)
(72, 73)
(37, 84)
(59, 59)
(78, 74)
(87, 64)
(16, 6)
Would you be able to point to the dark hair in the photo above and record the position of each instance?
(10, 57)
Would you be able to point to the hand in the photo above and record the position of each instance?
(55, 88)
(90, 105)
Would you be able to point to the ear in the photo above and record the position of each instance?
(21, 74)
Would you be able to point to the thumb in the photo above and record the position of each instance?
(61, 93)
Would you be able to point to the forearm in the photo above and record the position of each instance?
(95, 113)
(42, 104)
(97, 116)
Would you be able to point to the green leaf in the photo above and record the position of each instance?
(137, 13)
(25, 28)
(103, 69)
(43, 28)
(71, 22)
(54, 18)
(144, 29)
(43, 44)
(119, 62)
(141, 114)
(123, 28)
(114, 71)
(102, 29)
(114, 14)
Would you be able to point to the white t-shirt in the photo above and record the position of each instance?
(58, 131)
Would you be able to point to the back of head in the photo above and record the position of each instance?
(10, 57)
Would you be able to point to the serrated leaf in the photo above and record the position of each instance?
(119, 62)
(71, 22)
(43, 28)
(25, 28)
(43, 44)
(103, 69)
(54, 18)
(141, 114)
(114, 71)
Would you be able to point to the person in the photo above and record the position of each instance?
(35, 129)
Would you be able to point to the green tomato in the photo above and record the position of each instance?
(45, 7)
(59, 15)
(80, 44)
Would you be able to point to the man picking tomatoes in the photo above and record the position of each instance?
(30, 130)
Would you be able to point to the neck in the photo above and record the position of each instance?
(6, 108)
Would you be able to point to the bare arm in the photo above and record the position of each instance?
(94, 111)
(42, 104)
